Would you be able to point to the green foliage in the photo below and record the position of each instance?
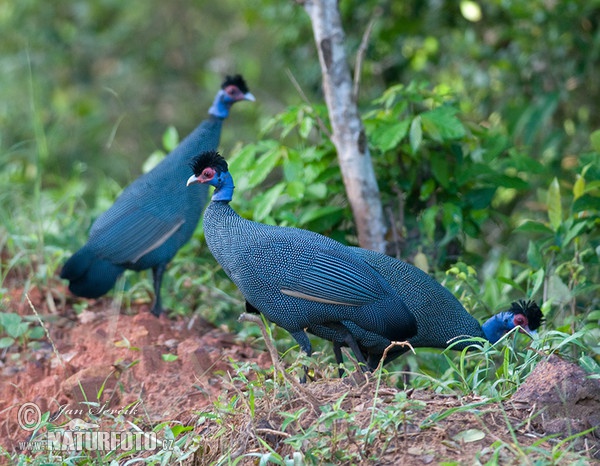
(292, 179)
(436, 173)
(17, 329)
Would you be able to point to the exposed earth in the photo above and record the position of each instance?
(162, 370)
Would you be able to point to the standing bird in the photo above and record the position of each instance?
(441, 319)
(154, 216)
(297, 278)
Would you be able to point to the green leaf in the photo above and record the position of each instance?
(553, 201)
(442, 124)
(579, 187)
(306, 126)
(439, 168)
(8, 319)
(534, 256)
(573, 232)
(510, 182)
(480, 198)
(469, 435)
(178, 429)
(317, 212)
(558, 292)
(18, 330)
(36, 333)
(427, 189)
(531, 226)
(295, 189)
(243, 160)
(586, 202)
(264, 166)
(170, 138)
(293, 167)
(168, 357)
(416, 134)
(595, 140)
(428, 221)
(264, 205)
(388, 135)
(6, 342)
(538, 281)
(316, 190)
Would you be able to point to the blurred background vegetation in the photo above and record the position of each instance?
(481, 118)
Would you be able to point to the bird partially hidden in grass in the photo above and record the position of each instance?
(154, 216)
(304, 281)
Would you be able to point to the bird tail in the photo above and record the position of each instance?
(89, 275)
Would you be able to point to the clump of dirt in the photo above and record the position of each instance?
(564, 400)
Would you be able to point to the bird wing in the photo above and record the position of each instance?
(336, 278)
(129, 230)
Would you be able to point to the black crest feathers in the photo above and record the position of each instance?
(235, 80)
(529, 309)
(208, 159)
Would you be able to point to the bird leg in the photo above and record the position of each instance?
(339, 357)
(157, 274)
(348, 340)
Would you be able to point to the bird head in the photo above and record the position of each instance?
(233, 89)
(211, 168)
(526, 315)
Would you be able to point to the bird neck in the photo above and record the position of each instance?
(223, 188)
(496, 326)
(221, 105)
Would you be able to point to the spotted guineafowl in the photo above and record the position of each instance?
(154, 216)
(297, 278)
(441, 319)
(428, 300)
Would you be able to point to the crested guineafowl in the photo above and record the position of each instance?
(441, 319)
(154, 216)
(301, 281)
(297, 278)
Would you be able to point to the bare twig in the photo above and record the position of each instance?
(264, 430)
(393, 344)
(245, 317)
(54, 348)
(360, 55)
(359, 370)
(320, 122)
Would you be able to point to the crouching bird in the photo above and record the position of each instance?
(441, 319)
(154, 216)
(296, 278)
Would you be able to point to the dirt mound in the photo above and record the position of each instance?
(103, 362)
(564, 400)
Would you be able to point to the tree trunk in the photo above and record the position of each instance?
(348, 132)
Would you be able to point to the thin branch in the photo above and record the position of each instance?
(360, 55)
(393, 344)
(308, 102)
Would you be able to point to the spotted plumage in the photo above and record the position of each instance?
(303, 281)
(296, 278)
